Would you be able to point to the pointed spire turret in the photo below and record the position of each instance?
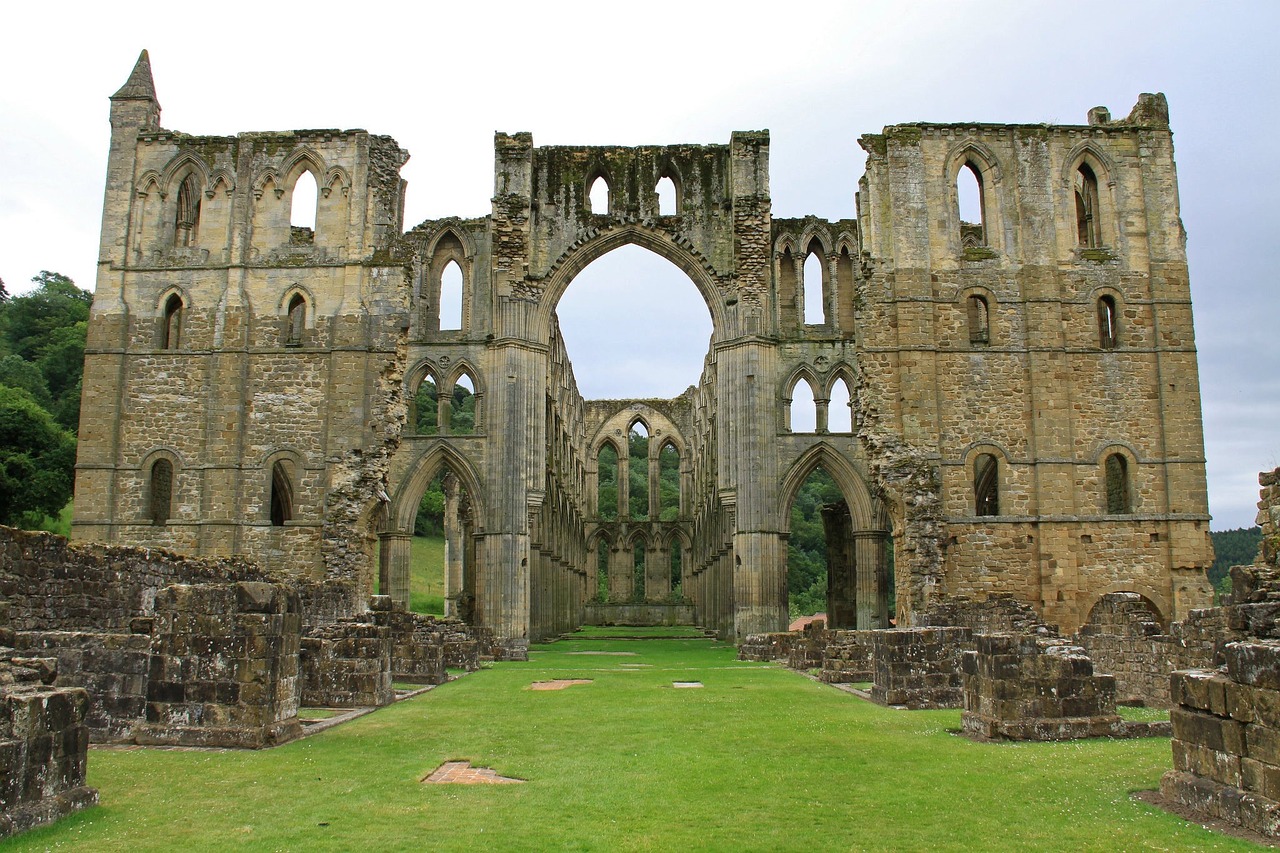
(139, 86)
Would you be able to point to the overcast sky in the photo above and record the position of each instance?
(441, 78)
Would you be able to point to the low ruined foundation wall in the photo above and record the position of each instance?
(1226, 739)
(224, 666)
(43, 749)
(595, 613)
(1026, 687)
(347, 665)
(768, 647)
(919, 668)
(1000, 613)
(848, 657)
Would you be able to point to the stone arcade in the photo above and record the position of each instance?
(1025, 410)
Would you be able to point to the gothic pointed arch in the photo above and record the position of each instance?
(864, 509)
(406, 495)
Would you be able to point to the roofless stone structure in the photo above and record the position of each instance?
(1023, 409)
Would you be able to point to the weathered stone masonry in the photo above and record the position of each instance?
(1024, 398)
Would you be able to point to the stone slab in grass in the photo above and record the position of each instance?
(558, 683)
(462, 773)
(611, 654)
(686, 684)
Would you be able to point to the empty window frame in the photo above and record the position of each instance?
(1108, 323)
(451, 296)
(281, 495)
(171, 327)
(979, 317)
(986, 485)
(1088, 232)
(607, 482)
(188, 217)
(638, 470)
(668, 204)
(815, 304)
(462, 406)
(839, 408)
(803, 408)
(1119, 500)
(161, 491)
(296, 321)
(302, 208)
(972, 207)
(598, 196)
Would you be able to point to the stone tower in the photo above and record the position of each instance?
(1013, 402)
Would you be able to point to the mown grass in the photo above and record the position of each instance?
(760, 758)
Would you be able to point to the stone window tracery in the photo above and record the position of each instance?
(1088, 232)
(188, 216)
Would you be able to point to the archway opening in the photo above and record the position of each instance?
(437, 575)
(836, 568)
(634, 326)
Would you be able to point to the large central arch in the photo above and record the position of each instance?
(660, 242)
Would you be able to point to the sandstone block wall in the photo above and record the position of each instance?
(1226, 738)
(43, 747)
(224, 666)
(1025, 687)
(848, 657)
(767, 647)
(347, 665)
(919, 668)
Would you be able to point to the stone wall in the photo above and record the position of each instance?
(919, 668)
(347, 665)
(998, 613)
(224, 666)
(1025, 687)
(1226, 739)
(43, 746)
(768, 647)
(847, 657)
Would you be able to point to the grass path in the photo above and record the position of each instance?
(760, 758)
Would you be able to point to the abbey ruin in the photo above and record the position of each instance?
(1013, 402)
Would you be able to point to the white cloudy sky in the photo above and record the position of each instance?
(441, 78)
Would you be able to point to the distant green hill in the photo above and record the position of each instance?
(1232, 548)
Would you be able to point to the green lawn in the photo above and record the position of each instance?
(760, 758)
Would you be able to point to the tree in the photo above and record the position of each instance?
(37, 460)
(28, 323)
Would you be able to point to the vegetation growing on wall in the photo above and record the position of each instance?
(1232, 548)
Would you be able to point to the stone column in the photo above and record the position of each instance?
(393, 566)
(844, 592)
(873, 586)
(452, 544)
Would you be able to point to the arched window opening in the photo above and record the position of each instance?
(598, 196)
(603, 547)
(302, 209)
(1086, 187)
(973, 221)
(281, 495)
(618, 324)
(184, 233)
(668, 483)
(638, 588)
(451, 296)
(979, 321)
(171, 331)
(1108, 323)
(297, 321)
(666, 190)
(986, 485)
(426, 407)
(1119, 501)
(462, 406)
(607, 482)
(677, 567)
(839, 409)
(815, 306)
(161, 491)
(804, 411)
(638, 470)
